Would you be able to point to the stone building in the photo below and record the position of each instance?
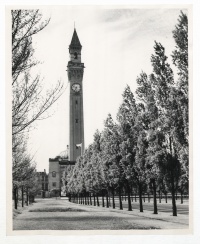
(42, 184)
(57, 168)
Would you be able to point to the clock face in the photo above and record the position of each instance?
(76, 87)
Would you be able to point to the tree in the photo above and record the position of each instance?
(166, 114)
(111, 168)
(28, 104)
(180, 54)
(129, 131)
(148, 121)
(180, 59)
(166, 148)
(23, 173)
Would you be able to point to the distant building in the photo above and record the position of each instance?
(42, 184)
(57, 166)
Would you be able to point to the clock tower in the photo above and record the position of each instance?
(75, 71)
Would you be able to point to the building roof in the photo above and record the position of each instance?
(64, 154)
(75, 41)
(62, 161)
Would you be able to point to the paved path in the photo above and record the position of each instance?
(59, 214)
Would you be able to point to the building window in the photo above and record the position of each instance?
(76, 102)
(54, 184)
(76, 121)
(75, 55)
(53, 174)
(46, 187)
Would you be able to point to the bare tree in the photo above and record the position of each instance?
(28, 104)
(29, 101)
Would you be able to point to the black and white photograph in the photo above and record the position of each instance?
(100, 119)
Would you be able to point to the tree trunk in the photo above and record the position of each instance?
(148, 198)
(85, 198)
(135, 197)
(140, 197)
(159, 197)
(155, 209)
(94, 199)
(90, 199)
(120, 199)
(15, 197)
(129, 197)
(113, 197)
(172, 182)
(103, 204)
(181, 197)
(131, 194)
(144, 198)
(107, 202)
(27, 196)
(22, 196)
(166, 198)
(173, 200)
(97, 200)
(81, 199)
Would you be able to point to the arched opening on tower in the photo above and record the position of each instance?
(75, 55)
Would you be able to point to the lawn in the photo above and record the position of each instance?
(57, 214)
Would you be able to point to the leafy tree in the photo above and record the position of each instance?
(23, 173)
(180, 59)
(129, 132)
(148, 118)
(180, 55)
(97, 165)
(166, 147)
(113, 172)
(148, 147)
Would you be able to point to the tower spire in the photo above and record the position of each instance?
(75, 43)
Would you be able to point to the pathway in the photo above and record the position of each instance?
(60, 214)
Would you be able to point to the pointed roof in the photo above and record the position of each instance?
(75, 40)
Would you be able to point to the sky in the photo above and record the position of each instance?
(117, 44)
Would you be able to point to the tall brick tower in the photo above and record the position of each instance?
(75, 76)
